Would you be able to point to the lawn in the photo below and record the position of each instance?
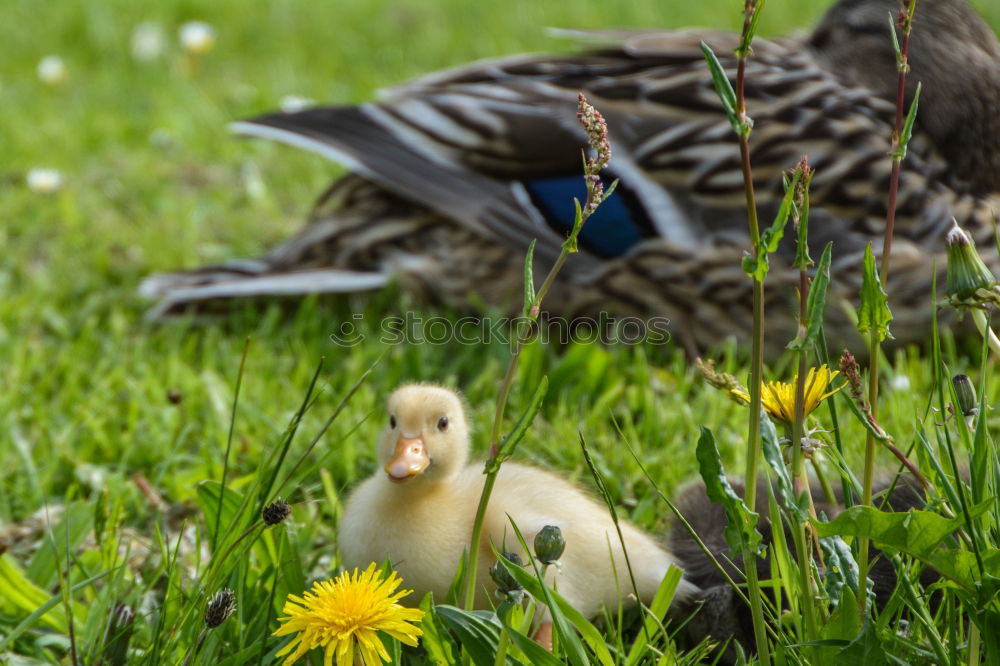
(120, 419)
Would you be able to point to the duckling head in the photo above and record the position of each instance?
(426, 434)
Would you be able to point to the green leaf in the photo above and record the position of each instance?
(919, 534)
(435, 640)
(510, 442)
(20, 593)
(723, 88)
(844, 623)
(802, 258)
(208, 498)
(570, 244)
(529, 279)
(895, 39)
(797, 506)
(19, 596)
(841, 569)
(815, 303)
(911, 116)
(609, 190)
(741, 530)
(477, 631)
(532, 650)
(757, 266)
(962, 567)
(865, 649)
(744, 49)
(874, 315)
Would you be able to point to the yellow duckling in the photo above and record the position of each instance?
(418, 511)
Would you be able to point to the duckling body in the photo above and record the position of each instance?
(424, 523)
(454, 174)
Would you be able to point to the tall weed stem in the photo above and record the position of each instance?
(899, 140)
(751, 9)
(596, 130)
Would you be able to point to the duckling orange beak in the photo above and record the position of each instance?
(408, 460)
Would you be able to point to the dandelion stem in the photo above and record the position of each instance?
(979, 317)
(869, 468)
(800, 480)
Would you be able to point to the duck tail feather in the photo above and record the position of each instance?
(177, 292)
(369, 141)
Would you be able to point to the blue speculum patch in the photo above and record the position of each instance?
(618, 224)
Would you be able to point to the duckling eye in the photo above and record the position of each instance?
(443, 423)
(392, 421)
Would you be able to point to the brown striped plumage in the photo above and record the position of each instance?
(436, 199)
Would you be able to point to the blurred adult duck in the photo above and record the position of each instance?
(452, 175)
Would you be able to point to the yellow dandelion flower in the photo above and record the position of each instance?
(344, 615)
(778, 398)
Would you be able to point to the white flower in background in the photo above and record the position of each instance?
(197, 37)
(148, 41)
(45, 181)
(52, 70)
(901, 382)
(293, 103)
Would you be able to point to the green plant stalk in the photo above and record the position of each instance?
(505, 386)
(869, 469)
(64, 589)
(974, 642)
(270, 602)
(800, 479)
(502, 648)
(874, 345)
(756, 351)
(229, 442)
(491, 477)
(824, 483)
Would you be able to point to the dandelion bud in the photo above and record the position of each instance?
(549, 544)
(275, 512)
(505, 582)
(220, 607)
(969, 281)
(966, 392)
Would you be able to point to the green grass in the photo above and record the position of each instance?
(83, 401)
